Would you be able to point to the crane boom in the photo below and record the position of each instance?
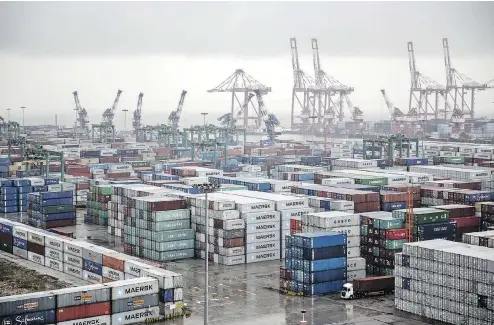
(450, 80)
(270, 120)
(109, 114)
(412, 65)
(136, 123)
(174, 117)
(81, 114)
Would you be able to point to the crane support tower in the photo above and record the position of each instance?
(460, 89)
(82, 120)
(109, 113)
(329, 94)
(174, 117)
(136, 121)
(398, 118)
(376, 146)
(230, 122)
(425, 93)
(242, 83)
(270, 120)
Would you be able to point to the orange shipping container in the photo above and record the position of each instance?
(114, 261)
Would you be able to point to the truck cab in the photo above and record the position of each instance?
(347, 291)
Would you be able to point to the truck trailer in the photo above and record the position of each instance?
(371, 286)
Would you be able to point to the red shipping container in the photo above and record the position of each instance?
(88, 175)
(82, 186)
(395, 234)
(466, 222)
(108, 160)
(83, 311)
(114, 261)
(72, 161)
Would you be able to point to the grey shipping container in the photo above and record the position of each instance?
(133, 303)
(82, 295)
(95, 253)
(28, 303)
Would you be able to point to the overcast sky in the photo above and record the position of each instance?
(50, 49)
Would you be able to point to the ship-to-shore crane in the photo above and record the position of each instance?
(229, 121)
(82, 118)
(270, 120)
(109, 113)
(136, 121)
(397, 116)
(174, 117)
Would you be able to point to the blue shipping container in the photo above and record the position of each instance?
(6, 227)
(312, 254)
(322, 265)
(166, 295)
(92, 267)
(390, 206)
(323, 288)
(19, 242)
(443, 228)
(321, 239)
(320, 276)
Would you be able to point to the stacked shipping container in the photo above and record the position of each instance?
(51, 209)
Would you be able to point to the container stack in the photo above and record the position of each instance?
(54, 256)
(343, 223)
(159, 229)
(21, 308)
(482, 238)
(170, 291)
(486, 212)
(429, 223)
(23, 187)
(8, 197)
(82, 304)
(464, 217)
(391, 200)
(382, 237)
(134, 301)
(445, 289)
(97, 205)
(315, 264)
(6, 236)
(403, 188)
(288, 207)
(226, 230)
(51, 209)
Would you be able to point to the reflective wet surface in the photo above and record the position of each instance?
(239, 295)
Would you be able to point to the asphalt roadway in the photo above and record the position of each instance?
(239, 295)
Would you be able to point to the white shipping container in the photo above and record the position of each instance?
(112, 274)
(99, 320)
(72, 260)
(92, 277)
(135, 267)
(262, 256)
(54, 242)
(257, 217)
(229, 260)
(352, 252)
(54, 264)
(133, 288)
(20, 232)
(74, 247)
(73, 270)
(358, 274)
(354, 264)
(136, 316)
(262, 236)
(36, 258)
(53, 254)
(36, 237)
(262, 227)
(262, 246)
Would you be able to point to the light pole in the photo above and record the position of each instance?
(76, 118)
(8, 114)
(23, 124)
(206, 275)
(313, 117)
(125, 118)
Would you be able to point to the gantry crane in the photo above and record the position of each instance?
(240, 82)
(270, 120)
(82, 118)
(136, 121)
(458, 86)
(109, 113)
(302, 92)
(421, 88)
(327, 87)
(174, 117)
(230, 121)
(357, 116)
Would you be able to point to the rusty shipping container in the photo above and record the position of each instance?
(114, 261)
(83, 311)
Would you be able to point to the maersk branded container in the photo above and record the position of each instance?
(83, 295)
(27, 303)
(98, 320)
(135, 316)
(133, 288)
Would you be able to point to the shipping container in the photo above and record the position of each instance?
(98, 320)
(83, 311)
(133, 288)
(27, 303)
(82, 295)
(32, 318)
(136, 316)
(133, 303)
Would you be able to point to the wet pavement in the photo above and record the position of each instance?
(238, 295)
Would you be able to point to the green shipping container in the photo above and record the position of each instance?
(104, 189)
(59, 208)
(363, 230)
(431, 217)
(387, 223)
(169, 246)
(394, 244)
(371, 181)
(6, 248)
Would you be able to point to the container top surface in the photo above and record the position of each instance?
(237, 198)
(331, 214)
(121, 283)
(79, 289)
(266, 196)
(34, 295)
(319, 234)
(456, 248)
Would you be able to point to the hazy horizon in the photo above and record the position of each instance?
(48, 50)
